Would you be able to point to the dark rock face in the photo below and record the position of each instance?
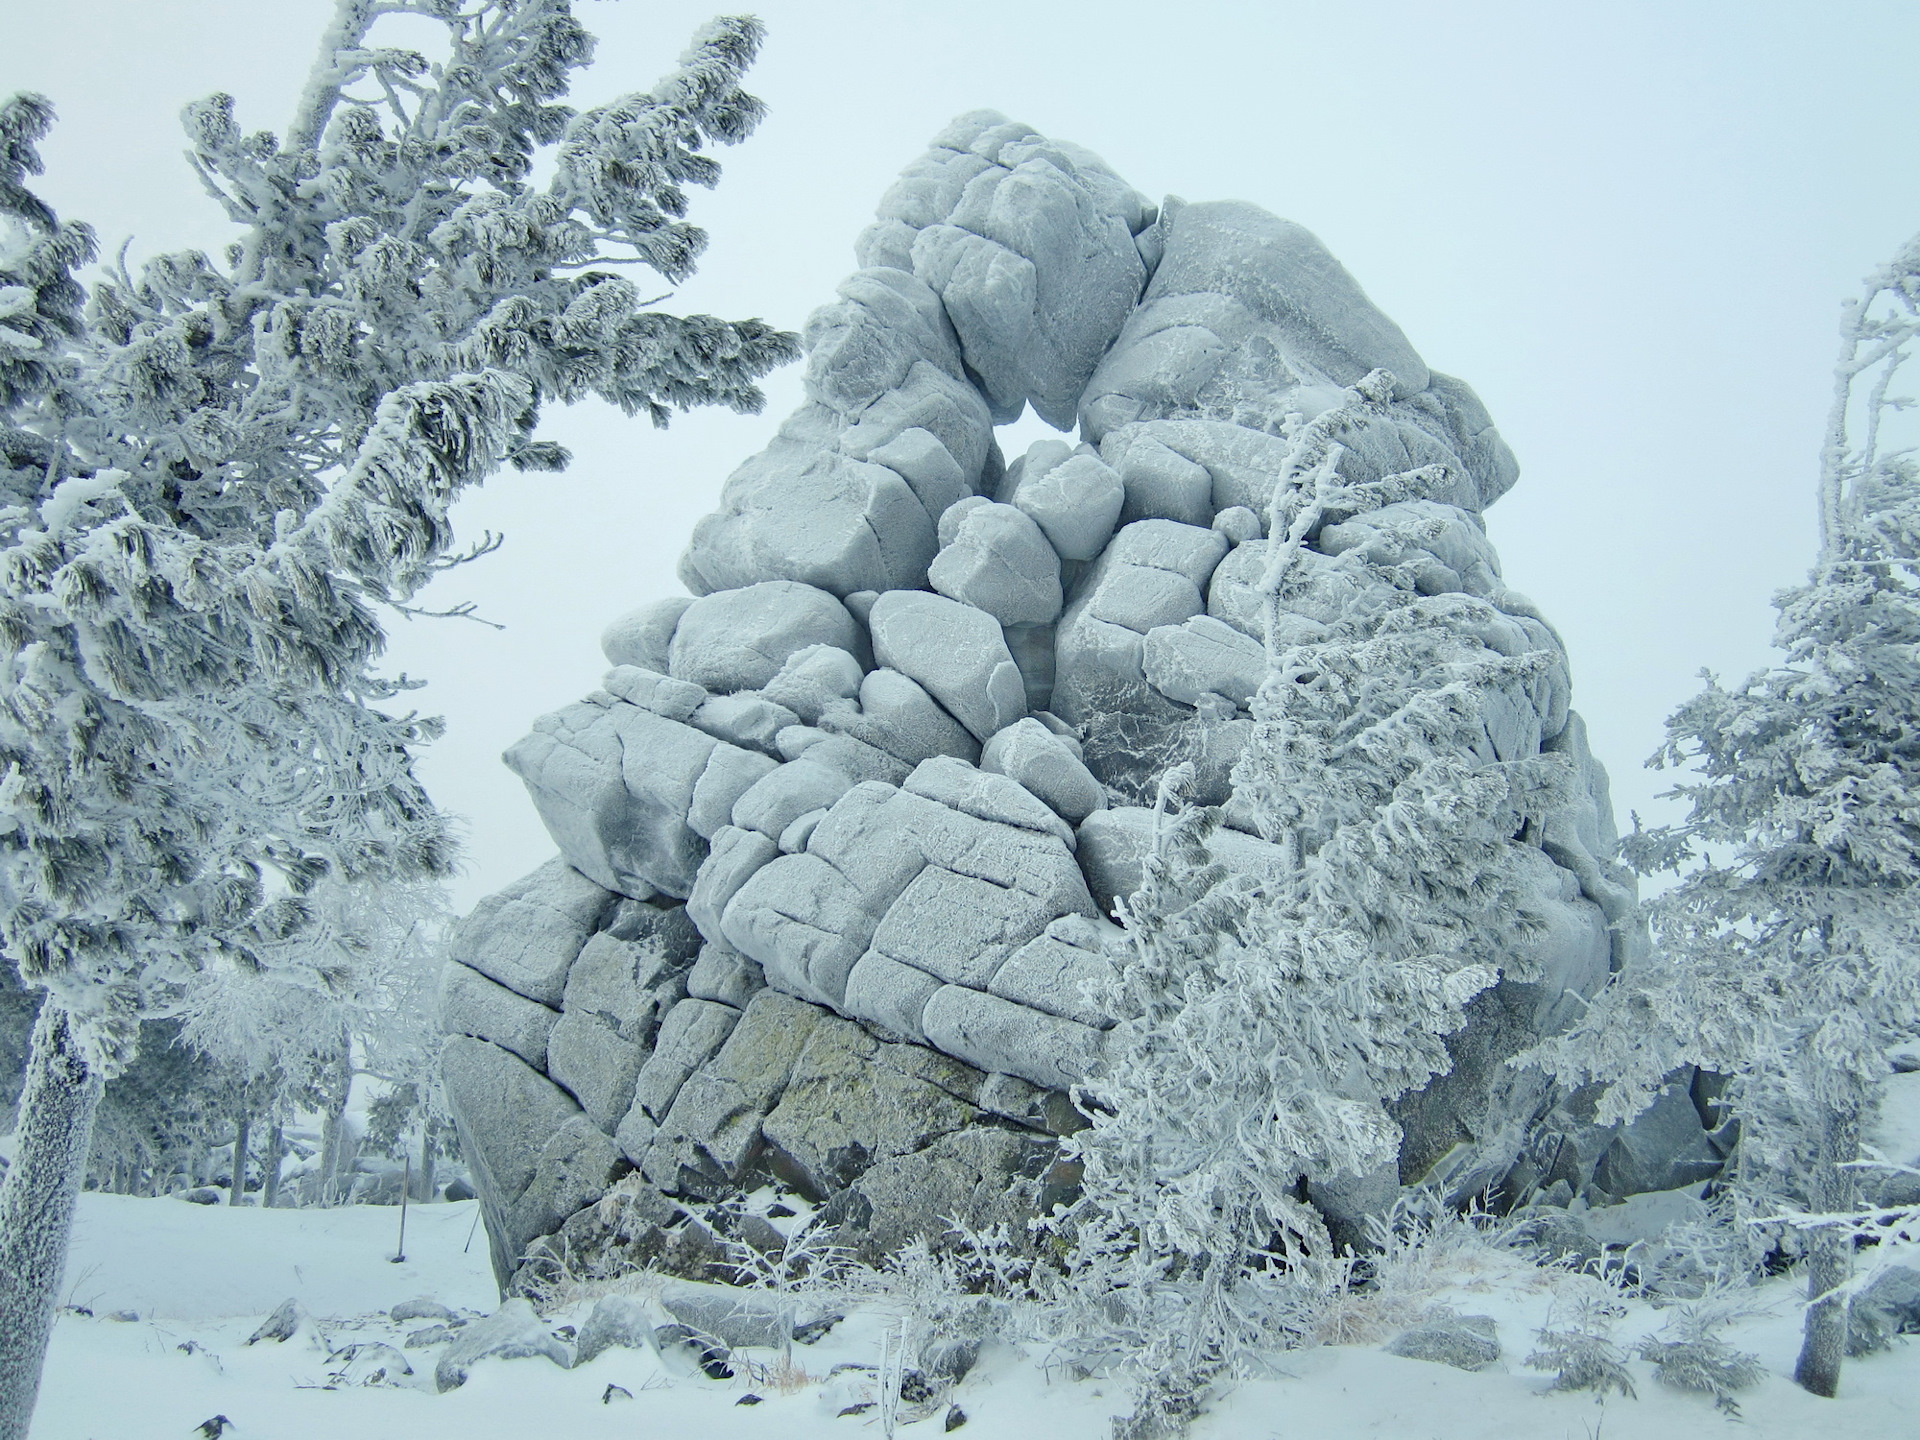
(841, 833)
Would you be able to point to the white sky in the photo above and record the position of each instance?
(1629, 226)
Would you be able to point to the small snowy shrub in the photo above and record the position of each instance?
(1689, 1353)
(1577, 1344)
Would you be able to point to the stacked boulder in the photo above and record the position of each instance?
(842, 832)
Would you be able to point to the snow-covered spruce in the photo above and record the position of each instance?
(1788, 955)
(213, 474)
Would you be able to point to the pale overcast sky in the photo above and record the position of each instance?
(1628, 225)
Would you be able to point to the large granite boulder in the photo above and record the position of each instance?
(842, 835)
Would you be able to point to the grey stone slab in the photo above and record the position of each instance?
(505, 1111)
(1139, 598)
(927, 466)
(613, 784)
(1076, 501)
(471, 1004)
(574, 1168)
(999, 561)
(1466, 1342)
(814, 679)
(890, 993)
(898, 716)
(958, 928)
(1203, 656)
(1048, 974)
(787, 792)
(1243, 465)
(1163, 485)
(956, 652)
(738, 639)
(725, 975)
(652, 690)
(1189, 550)
(595, 1065)
(712, 1133)
(798, 512)
(693, 1031)
(642, 637)
(1232, 276)
(794, 838)
(527, 936)
(730, 774)
(735, 856)
(996, 1034)
(982, 1176)
(1048, 767)
(1036, 278)
(746, 720)
(804, 922)
(843, 1108)
(986, 795)
(949, 409)
(867, 342)
(625, 983)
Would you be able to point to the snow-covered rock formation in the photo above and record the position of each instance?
(840, 835)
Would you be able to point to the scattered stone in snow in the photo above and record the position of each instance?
(689, 1348)
(1887, 1306)
(622, 1320)
(615, 1392)
(733, 1317)
(1466, 1342)
(513, 1332)
(281, 1324)
(422, 1308)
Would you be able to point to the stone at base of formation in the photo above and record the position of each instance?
(841, 835)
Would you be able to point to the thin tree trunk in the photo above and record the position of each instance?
(37, 1201)
(1830, 1190)
(242, 1129)
(270, 1167)
(426, 1161)
(330, 1134)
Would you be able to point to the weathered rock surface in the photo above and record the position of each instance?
(895, 750)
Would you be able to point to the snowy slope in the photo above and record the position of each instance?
(203, 1278)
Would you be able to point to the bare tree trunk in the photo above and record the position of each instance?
(270, 1167)
(426, 1161)
(37, 1201)
(242, 1129)
(1830, 1190)
(329, 1154)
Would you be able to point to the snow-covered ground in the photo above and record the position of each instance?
(201, 1279)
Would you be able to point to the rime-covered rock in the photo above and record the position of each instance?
(1047, 767)
(738, 639)
(957, 652)
(527, 936)
(897, 750)
(1076, 500)
(471, 1004)
(999, 561)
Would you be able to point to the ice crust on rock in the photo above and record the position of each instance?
(895, 751)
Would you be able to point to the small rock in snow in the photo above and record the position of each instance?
(281, 1324)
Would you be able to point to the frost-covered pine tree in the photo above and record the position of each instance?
(349, 998)
(214, 474)
(1788, 953)
(1266, 1021)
